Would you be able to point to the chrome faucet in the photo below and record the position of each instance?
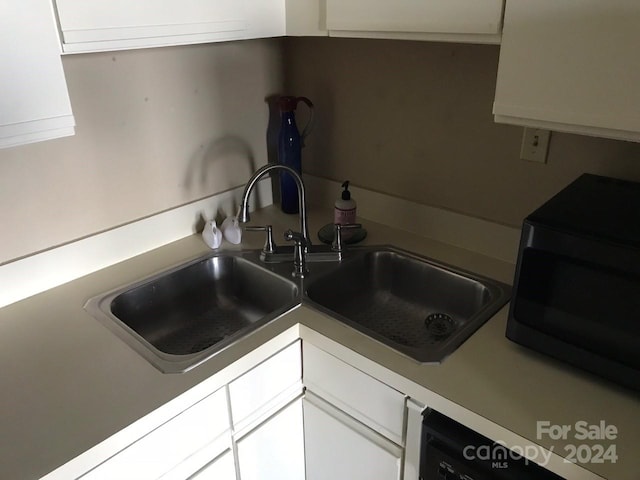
(303, 241)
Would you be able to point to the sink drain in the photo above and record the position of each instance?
(440, 324)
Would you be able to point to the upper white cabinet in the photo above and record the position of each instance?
(571, 66)
(306, 18)
(34, 103)
(447, 20)
(94, 25)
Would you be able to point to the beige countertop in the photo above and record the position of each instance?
(69, 383)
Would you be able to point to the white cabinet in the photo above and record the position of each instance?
(413, 440)
(275, 449)
(176, 449)
(353, 423)
(266, 388)
(95, 25)
(363, 397)
(339, 447)
(571, 66)
(258, 415)
(306, 18)
(222, 468)
(34, 103)
(267, 418)
(448, 20)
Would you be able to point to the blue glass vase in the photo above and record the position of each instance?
(290, 144)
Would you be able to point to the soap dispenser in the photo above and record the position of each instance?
(345, 207)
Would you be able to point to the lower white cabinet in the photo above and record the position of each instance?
(361, 396)
(177, 448)
(339, 447)
(264, 426)
(413, 440)
(264, 389)
(222, 468)
(254, 423)
(275, 449)
(353, 423)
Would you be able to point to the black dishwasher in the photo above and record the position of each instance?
(451, 451)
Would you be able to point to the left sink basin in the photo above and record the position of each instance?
(178, 318)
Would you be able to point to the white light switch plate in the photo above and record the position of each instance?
(535, 145)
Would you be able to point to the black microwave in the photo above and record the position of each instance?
(576, 293)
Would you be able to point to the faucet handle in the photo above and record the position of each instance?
(299, 252)
(337, 244)
(269, 244)
(297, 237)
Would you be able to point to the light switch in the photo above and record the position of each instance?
(535, 145)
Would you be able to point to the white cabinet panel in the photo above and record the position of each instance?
(468, 18)
(201, 430)
(89, 25)
(275, 450)
(571, 66)
(222, 468)
(34, 103)
(265, 18)
(338, 447)
(306, 18)
(279, 377)
(361, 396)
(414, 438)
(95, 25)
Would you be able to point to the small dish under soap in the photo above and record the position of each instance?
(327, 234)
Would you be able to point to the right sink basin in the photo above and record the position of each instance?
(419, 307)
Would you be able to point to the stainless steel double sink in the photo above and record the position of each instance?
(178, 318)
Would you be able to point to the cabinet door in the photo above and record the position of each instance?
(275, 449)
(457, 17)
(571, 66)
(90, 25)
(339, 447)
(177, 448)
(368, 400)
(222, 468)
(34, 103)
(266, 388)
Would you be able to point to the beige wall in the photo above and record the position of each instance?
(413, 119)
(156, 129)
(162, 127)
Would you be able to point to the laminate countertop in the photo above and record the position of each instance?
(69, 383)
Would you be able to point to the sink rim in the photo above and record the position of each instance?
(99, 307)
(500, 294)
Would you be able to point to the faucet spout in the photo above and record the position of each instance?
(243, 215)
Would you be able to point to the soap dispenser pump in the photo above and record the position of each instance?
(345, 207)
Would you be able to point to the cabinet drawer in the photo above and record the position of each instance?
(368, 400)
(266, 387)
(200, 430)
